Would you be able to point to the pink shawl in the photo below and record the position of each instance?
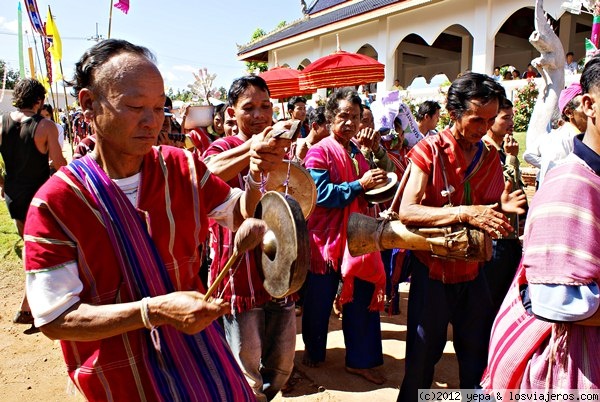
(328, 226)
(562, 246)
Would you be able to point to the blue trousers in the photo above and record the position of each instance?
(361, 327)
(432, 305)
(500, 271)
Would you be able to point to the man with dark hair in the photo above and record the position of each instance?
(297, 110)
(507, 250)
(570, 64)
(455, 179)
(547, 335)
(428, 116)
(122, 292)
(261, 330)
(27, 143)
(318, 131)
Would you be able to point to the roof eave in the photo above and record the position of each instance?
(261, 53)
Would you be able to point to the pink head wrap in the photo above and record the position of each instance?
(568, 94)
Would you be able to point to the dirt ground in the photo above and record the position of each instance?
(31, 366)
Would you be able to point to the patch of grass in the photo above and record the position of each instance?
(11, 245)
(520, 137)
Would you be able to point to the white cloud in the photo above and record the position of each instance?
(11, 26)
(185, 68)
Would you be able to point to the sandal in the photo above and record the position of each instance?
(23, 317)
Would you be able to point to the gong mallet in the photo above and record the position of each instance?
(249, 235)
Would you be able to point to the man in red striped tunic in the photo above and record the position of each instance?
(113, 246)
(455, 178)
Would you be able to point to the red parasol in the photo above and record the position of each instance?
(341, 69)
(283, 82)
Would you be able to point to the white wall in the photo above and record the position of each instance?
(6, 104)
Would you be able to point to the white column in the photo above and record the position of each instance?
(567, 30)
(466, 56)
(483, 39)
(385, 55)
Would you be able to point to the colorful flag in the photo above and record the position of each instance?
(46, 43)
(34, 16)
(20, 40)
(56, 44)
(44, 81)
(123, 5)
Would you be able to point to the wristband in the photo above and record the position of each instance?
(145, 311)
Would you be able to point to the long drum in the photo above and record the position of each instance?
(461, 242)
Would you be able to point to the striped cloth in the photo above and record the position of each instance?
(562, 246)
(81, 215)
(245, 291)
(328, 226)
(479, 183)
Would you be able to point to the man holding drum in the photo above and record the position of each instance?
(261, 330)
(455, 179)
(122, 291)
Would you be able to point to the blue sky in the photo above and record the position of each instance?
(185, 35)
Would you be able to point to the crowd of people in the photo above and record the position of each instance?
(508, 72)
(167, 201)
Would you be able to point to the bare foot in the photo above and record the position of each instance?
(308, 362)
(371, 375)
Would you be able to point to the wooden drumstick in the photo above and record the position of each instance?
(248, 236)
(395, 206)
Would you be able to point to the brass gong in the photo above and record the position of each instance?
(283, 259)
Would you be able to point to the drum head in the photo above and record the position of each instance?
(301, 185)
(283, 268)
(384, 192)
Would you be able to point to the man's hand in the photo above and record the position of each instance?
(186, 311)
(513, 203)
(368, 138)
(486, 218)
(266, 153)
(511, 146)
(373, 178)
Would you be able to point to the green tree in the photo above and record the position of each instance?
(262, 66)
(251, 66)
(12, 76)
(524, 103)
(223, 92)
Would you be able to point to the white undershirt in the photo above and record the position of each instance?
(53, 291)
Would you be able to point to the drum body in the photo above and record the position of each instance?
(459, 242)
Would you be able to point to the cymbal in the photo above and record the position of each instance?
(385, 192)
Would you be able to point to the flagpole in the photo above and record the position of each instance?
(31, 62)
(42, 40)
(37, 54)
(69, 132)
(110, 18)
